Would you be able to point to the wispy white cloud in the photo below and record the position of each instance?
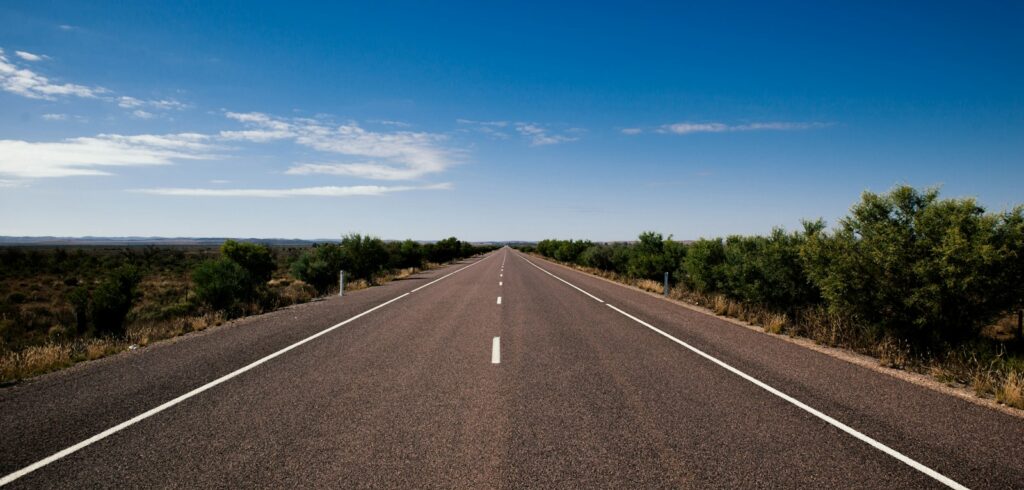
(28, 83)
(386, 122)
(398, 155)
(25, 55)
(263, 128)
(496, 124)
(540, 135)
(717, 127)
(632, 131)
(66, 27)
(366, 170)
(493, 129)
(127, 102)
(537, 134)
(8, 183)
(64, 117)
(91, 155)
(322, 191)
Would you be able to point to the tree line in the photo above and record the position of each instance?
(906, 264)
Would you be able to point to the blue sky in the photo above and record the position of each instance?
(497, 122)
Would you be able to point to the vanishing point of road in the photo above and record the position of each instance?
(500, 371)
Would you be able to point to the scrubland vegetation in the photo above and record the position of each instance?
(922, 283)
(61, 305)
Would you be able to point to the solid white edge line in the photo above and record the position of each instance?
(599, 300)
(164, 406)
(447, 275)
(496, 350)
(841, 426)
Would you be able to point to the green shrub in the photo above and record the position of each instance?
(768, 270)
(919, 267)
(363, 257)
(703, 269)
(319, 266)
(112, 300)
(256, 259)
(445, 250)
(221, 283)
(405, 254)
(80, 300)
(598, 257)
(570, 250)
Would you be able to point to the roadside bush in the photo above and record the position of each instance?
(221, 283)
(319, 266)
(257, 260)
(598, 257)
(363, 257)
(768, 271)
(570, 250)
(405, 254)
(703, 268)
(112, 300)
(443, 251)
(921, 268)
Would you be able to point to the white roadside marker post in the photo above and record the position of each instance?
(341, 283)
(666, 284)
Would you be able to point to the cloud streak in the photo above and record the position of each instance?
(537, 134)
(717, 127)
(91, 155)
(540, 136)
(398, 155)
(28, 83)
(25, 55)
(322, 191)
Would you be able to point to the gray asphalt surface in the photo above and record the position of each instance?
(407, 396)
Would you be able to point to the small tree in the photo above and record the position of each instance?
(221, 283)
(703, 267)
(319, 266)
(363, 257)
(256, 259)
(112, 300)
(920, 267)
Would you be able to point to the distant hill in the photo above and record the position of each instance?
(179, 241)
(130, 241)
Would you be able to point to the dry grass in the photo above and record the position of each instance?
(40, 359)
(1011, 390)
(34, 360)
(775, 322)
(649, 285)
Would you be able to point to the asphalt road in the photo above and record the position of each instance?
(433, 381)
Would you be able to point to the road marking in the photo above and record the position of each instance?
(835, 423)
(499, 300)
(599, 300)
(803, 406)
(164, 406)
(447, 275)
(496, 351)
(499, 283)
